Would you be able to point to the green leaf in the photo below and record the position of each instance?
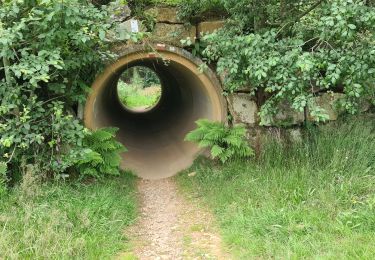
(352, 26)
(102, 35)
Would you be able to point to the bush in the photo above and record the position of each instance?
(225, 142)
(291, 52)
(52, 51)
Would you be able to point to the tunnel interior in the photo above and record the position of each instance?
(155, 137)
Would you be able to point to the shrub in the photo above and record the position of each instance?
(225, 142)
(288, 51)
(52, 51)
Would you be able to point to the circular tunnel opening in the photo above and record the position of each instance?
(154, 136)
(139, 89)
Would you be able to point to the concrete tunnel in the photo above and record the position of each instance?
(155, 137)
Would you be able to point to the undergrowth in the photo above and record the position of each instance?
(310, 199)
(66, 220)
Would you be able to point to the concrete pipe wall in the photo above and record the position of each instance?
(155, 137)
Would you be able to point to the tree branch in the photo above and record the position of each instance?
(309, 10)
(287, 24)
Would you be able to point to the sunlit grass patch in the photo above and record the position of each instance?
(134, 97)
(314, 199)
(139, 88)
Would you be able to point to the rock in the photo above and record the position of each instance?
(120, 11)
(172, 33)
(245, 88)
(209, 27)
(122, 31)
(327, 101)
(131, 25)
(286, 116)
(164, 14)
(192, 174)
(223, 77)
(295, 135)
(252, 135)
(243, 108)
(364, 106)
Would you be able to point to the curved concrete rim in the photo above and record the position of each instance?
(155, 137)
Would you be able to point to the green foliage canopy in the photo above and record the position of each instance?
(52, 51)
(292, 50)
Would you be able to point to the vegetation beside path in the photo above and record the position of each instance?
(66, 220)
(313, 199)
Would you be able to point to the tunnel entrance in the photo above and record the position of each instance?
(154, 136)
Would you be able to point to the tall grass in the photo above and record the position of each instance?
(66, 221)
(310, 199)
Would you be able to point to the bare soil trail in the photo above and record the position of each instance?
(173, 227)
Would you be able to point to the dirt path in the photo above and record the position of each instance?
(172, 227)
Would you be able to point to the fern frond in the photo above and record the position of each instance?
(225, 142)
(102, 153)
(216, 151)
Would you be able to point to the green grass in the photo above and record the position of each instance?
(137, 100)
(314, 199)
(67, 221)
(133, 96)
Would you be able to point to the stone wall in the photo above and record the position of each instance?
(167, 28)
(242, 107)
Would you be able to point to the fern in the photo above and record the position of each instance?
(101, 154)
(225, 142)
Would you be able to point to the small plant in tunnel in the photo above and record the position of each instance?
(139, 88)
(225, 143)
